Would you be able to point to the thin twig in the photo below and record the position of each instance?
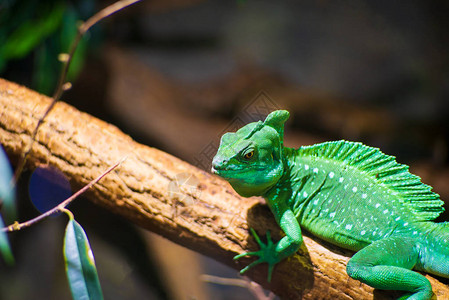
(224, 281)
(16, 226)
(62, 85)
(252, 286)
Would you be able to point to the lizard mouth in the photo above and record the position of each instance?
(223, 171)
(234, 171)
(223, 168)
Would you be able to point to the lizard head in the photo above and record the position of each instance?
(252, 159)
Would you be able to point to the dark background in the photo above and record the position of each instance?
(177, 74)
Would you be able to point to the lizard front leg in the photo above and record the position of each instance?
(272, 253)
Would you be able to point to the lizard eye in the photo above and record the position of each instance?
(249, 155)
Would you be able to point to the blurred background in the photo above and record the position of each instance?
(178, 74)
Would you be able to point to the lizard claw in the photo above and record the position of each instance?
(266, 254)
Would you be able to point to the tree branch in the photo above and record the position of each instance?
(207, 216)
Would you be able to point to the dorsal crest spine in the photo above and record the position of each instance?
(425, 204)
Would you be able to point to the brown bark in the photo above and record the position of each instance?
(206, 215)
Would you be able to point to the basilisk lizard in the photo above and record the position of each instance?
(346, 193)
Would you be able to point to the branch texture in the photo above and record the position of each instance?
(170, 197)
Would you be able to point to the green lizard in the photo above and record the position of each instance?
(346, 193)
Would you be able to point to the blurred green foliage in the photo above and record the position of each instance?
(37, 32)
(7, 203)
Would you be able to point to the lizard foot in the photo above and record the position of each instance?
(267, 254)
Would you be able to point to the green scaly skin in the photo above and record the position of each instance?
(346, 193)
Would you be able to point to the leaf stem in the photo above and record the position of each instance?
(68, 213)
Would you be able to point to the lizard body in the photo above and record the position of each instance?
(346, 193)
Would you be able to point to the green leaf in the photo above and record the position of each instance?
(32, 32)
(46, 68)
(80, 264)
(7, 191)
(5, 250)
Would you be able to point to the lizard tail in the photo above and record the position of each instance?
(435, 251)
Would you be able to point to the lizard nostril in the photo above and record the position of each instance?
(216, 165)
(218, 162)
